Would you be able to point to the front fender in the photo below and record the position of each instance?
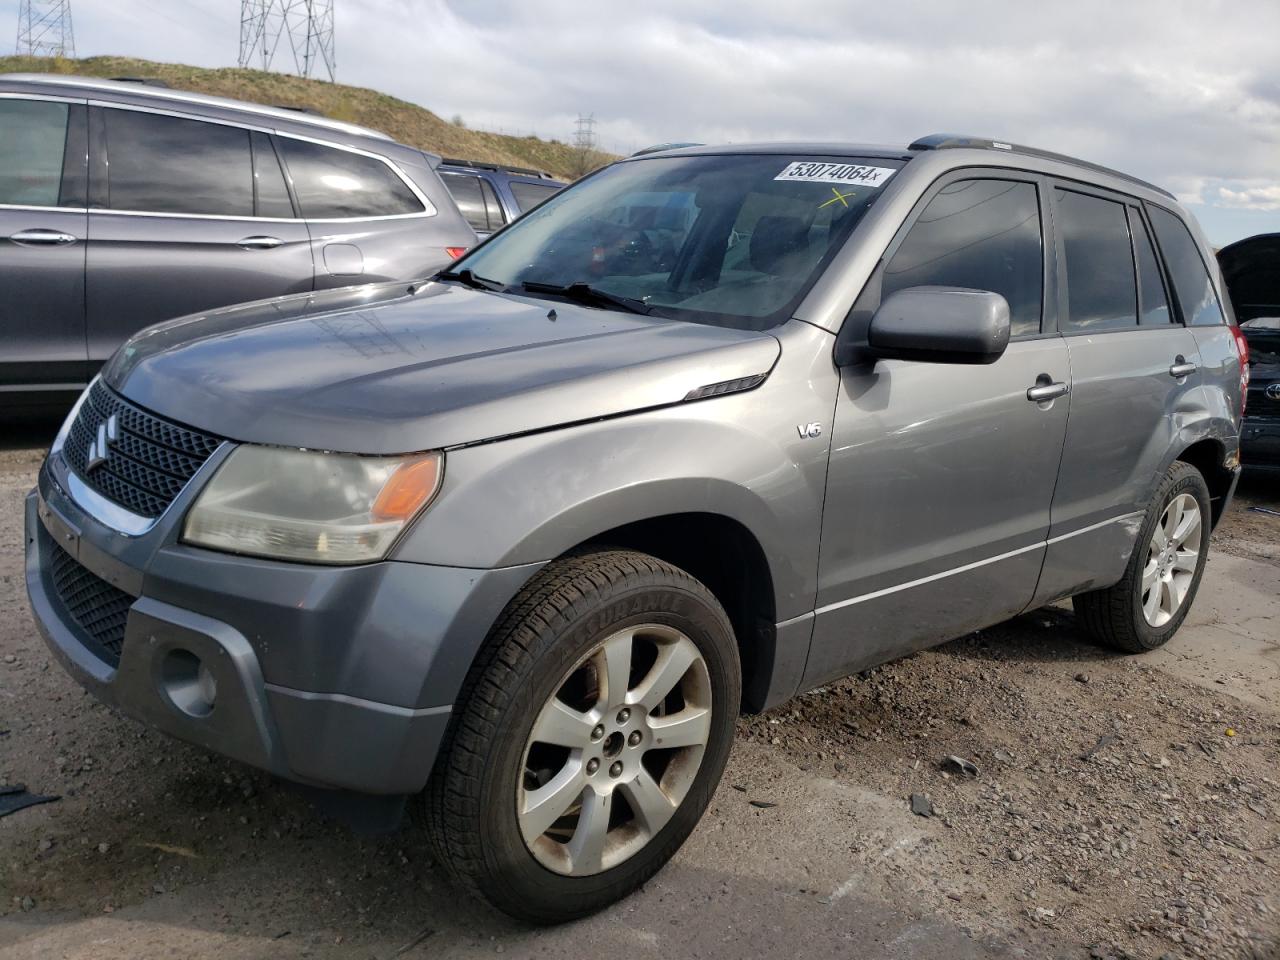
(530, 499)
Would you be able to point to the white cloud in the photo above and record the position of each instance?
(1261, 197)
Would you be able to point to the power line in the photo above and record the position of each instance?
(306, 26)
(44, 29)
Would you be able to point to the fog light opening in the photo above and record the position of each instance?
(188, 683)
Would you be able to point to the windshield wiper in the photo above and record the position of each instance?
(469, 279)
(584, 293)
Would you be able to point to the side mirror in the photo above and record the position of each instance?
(940, 324)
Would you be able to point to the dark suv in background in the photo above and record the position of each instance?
(491, 195)
(123, 204)
(1252, 271)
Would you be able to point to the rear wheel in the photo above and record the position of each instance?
(1147, 606)
(589, 738)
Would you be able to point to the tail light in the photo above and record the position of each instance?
(455, 252)
(1242, 351)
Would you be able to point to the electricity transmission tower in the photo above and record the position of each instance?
(584, 132)
(306, 26)
(44, 29)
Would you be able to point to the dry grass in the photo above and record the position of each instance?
(405, 121)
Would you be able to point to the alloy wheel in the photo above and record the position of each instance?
(1172, 557)
(614, 750)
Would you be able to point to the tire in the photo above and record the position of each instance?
(549, 643)
(1116, 616)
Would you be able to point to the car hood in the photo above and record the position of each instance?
(390, 368)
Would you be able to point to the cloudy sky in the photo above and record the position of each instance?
(1184, 94)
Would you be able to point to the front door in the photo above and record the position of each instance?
(42, 244)
(186, 215)
(942, 475)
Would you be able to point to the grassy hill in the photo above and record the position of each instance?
(407, 122)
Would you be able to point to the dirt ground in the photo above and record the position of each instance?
(1123, 808)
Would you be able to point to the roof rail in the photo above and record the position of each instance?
(659, 147)
(182, 96)
(145, 81)
(949, 141)
(503, 167)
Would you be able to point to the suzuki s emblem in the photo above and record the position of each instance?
(100, 448)
(1273, 391)
(809, 431)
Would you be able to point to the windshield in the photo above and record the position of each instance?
(731, 240)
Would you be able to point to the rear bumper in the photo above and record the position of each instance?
(334, 677)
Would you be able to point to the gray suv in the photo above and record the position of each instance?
(122, 204)
(517, 544)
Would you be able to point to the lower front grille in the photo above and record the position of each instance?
(98, 608)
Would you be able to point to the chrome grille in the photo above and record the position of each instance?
(149, 460)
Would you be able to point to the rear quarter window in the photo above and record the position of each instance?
(333, 184)
(1191, 282)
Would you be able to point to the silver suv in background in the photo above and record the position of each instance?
(519, 543)
(122, 204)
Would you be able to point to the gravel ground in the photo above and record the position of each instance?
(1122, 807)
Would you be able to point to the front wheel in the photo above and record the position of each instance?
(1147, 606)
(589, 737)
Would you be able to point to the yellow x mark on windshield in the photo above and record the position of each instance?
(838, 198)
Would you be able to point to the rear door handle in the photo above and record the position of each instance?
(43, 238)
(260, 243)
(1181, 368)
(1046, 389)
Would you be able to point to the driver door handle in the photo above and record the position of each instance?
(42, 237)
(1047, 389)
(260, 243)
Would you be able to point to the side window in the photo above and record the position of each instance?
(465, 190)
(979, 234)
(1196, 296)
(531, 194)
(491, 205)
(161, 164)
(33, 136)
(1102, 293)
(271, 196)
(1152, 301)
(336, 184)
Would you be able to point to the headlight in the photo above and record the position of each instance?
(314, 507)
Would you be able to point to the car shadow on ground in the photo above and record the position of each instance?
(1046, 635)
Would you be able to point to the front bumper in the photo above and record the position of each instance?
(1260, 442)
(334, 677)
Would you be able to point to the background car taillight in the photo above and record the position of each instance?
(455, 252)
(1242, 351)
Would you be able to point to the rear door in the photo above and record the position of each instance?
(1134, 368)
(185, 215)
(42, 243)
(366, 220)
(941, 475)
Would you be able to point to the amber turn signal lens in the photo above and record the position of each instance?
(409, 488)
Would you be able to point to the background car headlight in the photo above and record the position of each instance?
(314, 507)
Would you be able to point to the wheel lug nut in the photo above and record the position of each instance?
(616, 769)
(598, 732)
(593, 765)
(624, 715)
(634, 738)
